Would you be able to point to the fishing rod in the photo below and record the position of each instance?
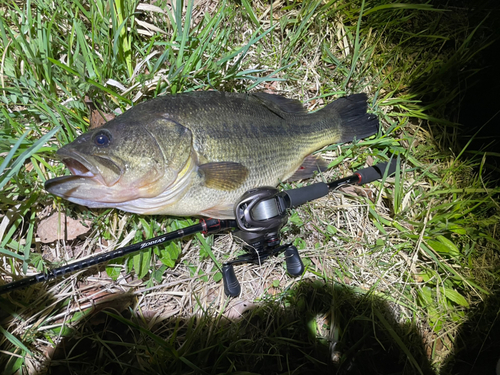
(260, 214)
(205, 226)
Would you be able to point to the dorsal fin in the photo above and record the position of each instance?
(278, 103)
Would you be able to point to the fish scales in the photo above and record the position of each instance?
(197, 153)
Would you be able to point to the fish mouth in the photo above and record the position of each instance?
(102, 169)
(77, 163)
(90, 179)
(80, 167)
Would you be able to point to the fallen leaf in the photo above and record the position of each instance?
(237, 310)
(97, 118)
(350, 189)
(58, 226)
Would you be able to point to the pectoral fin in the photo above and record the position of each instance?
(219, 212)
(223, 175)
(309, 165)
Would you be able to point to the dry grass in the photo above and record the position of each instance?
(377, 283)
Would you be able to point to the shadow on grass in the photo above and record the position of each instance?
(477, 346)
(469, 123)
(315, 328)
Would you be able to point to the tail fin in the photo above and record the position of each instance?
(354, 121)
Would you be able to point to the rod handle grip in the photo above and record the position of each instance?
(376, 172)
(307, 193)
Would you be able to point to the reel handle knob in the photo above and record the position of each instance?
(294, 265)
(232, 286)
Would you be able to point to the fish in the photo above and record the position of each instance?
(196, 153)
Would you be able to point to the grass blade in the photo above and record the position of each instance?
(14, 340)
(26, 155)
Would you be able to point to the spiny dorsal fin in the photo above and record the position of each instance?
(278, 103)
(309, 165)
(224, 175)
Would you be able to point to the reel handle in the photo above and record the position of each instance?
(232, 286)
(294, 265)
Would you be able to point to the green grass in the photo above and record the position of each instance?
(410, 256)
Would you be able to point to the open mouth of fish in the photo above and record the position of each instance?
(88, 180)
(77, 168)
(80, 168)
(99, 168)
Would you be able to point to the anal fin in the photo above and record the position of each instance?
(309, 165)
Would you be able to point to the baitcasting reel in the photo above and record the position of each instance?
(260, 215)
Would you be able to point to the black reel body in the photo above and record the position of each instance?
(260, 215)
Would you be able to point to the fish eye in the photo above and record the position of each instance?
(102, 139)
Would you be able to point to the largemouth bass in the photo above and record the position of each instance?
(196, 153)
